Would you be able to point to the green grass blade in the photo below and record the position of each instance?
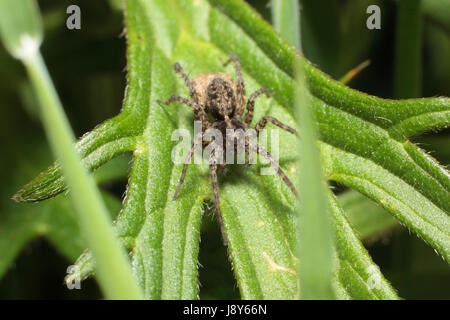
(92, 212)
(94, 218)
(286, 20)
(93, 215)
(315, 251)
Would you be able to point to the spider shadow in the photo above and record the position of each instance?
(247, 175)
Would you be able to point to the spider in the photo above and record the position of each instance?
(216, 94)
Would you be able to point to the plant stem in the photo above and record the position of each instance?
(408, 57)
(113, 269)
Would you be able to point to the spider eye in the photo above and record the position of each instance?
(230, 94)
(213, 96)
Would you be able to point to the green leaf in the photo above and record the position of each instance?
(357, 276)
(110, 139)
(402, 200)
(157, 230)
(438, 146)
(54, 219)
(367, 218)
(364, 145)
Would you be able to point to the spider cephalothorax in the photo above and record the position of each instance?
(216, 92)
(220, 98)
(217, 96)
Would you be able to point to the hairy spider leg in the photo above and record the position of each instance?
(260, 150)
(194, 103)
(262, 123)
(199, 114)
(251, 104)
(179, 69)
(177, 98)
(240, 86)
(197, 141)
(215, 189)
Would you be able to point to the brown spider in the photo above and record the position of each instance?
(218, 95)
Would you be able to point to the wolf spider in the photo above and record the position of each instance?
(218, 95)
